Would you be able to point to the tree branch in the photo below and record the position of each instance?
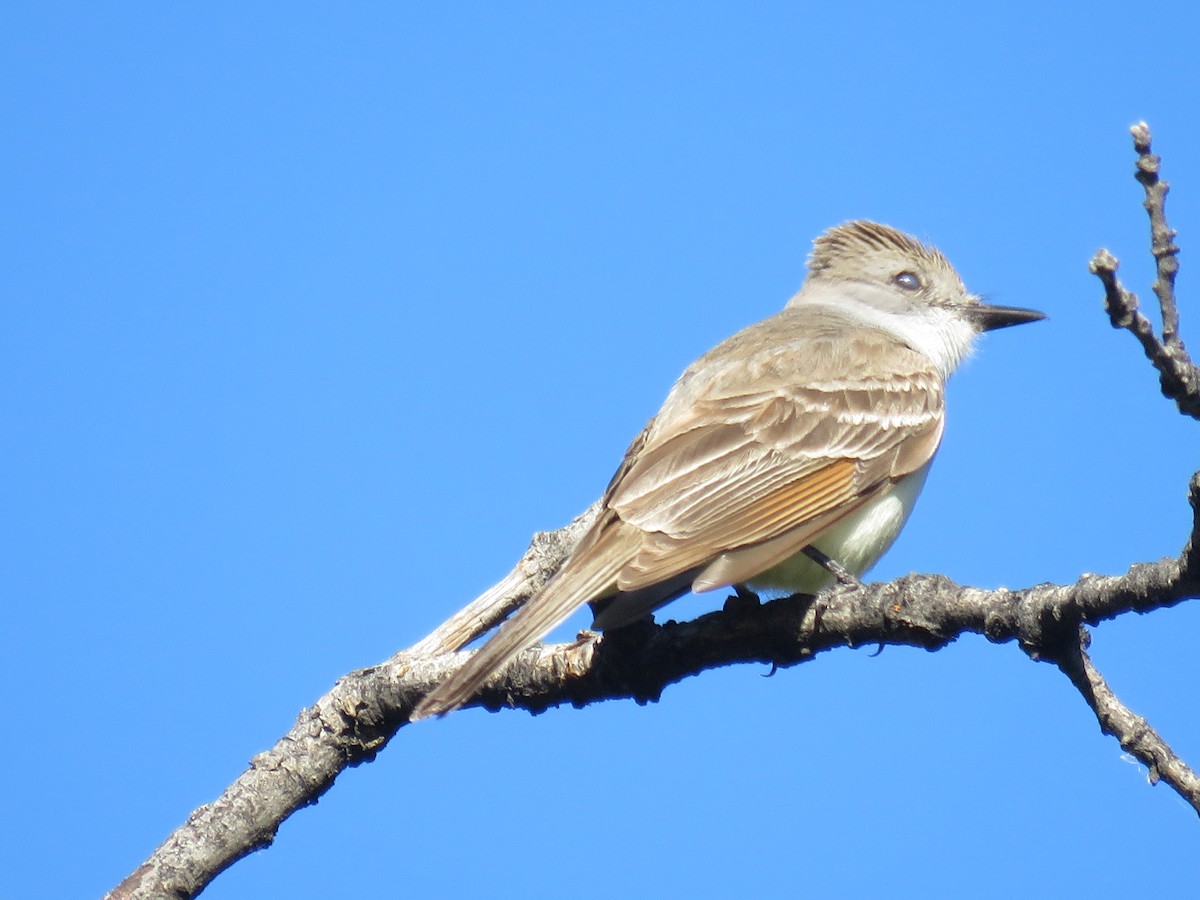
(1132, 731)
(1178, 375)
(365, 709)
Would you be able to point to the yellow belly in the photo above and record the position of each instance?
(856, 542)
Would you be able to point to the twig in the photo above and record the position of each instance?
(1134, 733)
(1162, 236)
(1179, 377)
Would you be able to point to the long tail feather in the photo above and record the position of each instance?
(584, 577)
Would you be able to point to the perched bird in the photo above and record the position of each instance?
(811, 430)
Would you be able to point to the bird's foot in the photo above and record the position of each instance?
(833, 567)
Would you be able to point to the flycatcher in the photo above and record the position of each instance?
(810, 430)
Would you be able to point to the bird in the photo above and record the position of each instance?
(790, 453)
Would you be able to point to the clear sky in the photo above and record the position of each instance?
(313, 314)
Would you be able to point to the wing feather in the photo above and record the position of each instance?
(789, 433)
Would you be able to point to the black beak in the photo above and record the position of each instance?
(989, 318)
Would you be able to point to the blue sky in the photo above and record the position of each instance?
(310, 318)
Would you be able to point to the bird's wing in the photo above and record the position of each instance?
(784, 441)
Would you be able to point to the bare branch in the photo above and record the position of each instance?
(1131, 730)
(365, 709)
(926, 611)
(1162, 236)
(1178, 375)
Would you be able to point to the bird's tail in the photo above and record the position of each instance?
(589, 573)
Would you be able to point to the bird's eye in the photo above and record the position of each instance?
(907, 281)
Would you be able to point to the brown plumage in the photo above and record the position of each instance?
(764, 444)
